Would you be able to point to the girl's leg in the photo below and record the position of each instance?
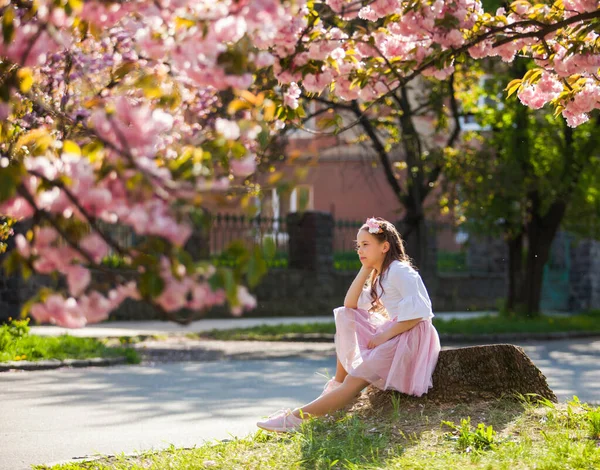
(340, 372)
(334, 400)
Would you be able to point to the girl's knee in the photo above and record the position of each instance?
(354, 383)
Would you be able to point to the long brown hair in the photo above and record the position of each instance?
(397, 252)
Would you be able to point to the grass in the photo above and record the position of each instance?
(419, 435)
(16, 344)
(588, 322)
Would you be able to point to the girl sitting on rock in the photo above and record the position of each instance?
(384, 335)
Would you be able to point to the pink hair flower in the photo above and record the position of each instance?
(373, 225)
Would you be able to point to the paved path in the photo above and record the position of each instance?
(137, 328)
(62, 414)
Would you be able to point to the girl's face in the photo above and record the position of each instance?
(370, 250)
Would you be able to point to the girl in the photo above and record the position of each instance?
(384, 335)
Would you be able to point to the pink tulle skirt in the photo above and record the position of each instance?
(405, 363)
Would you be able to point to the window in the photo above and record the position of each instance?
(302, 198)
(468, 121)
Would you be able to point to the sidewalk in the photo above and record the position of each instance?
(149, 328)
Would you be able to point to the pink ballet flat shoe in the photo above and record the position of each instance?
(281, 421)
(331, 385)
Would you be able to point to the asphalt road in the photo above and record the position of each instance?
(63, 414)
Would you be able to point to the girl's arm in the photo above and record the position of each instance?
(351, 299)
(399, 327)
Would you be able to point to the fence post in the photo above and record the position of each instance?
(585, 275)
(310, 241)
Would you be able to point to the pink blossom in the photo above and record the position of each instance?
(574, 119)
(530, 96)
(230, 29)
(336, 5)
(316, 83)
(246, 301)
(320, 50)
(59, 311)
(95, 200)
(338, 54)
(244, 167)
(22, 245)
(40, 313)
(95, 307)
(45, 236)
(367, 13)
(4, 110)
(522, 8)
(228, 129)
(290, 98)
(581, 6)
(103, 15)
(239, 81)
(264, 59)
(95, 246)
(78, 278)
(17, 208)
(173, 297)
(345, 91)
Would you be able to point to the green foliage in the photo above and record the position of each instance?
(6, 224)
(593, 418)
(469, 326)
(467, 439)
(348, 442)
(451, 262)
(517, 437)
(16, 344)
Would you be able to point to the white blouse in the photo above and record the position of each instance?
(404, 295)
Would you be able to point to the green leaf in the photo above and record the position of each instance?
(513, 86)
(257, 267)
(8, 185)
(151, 284)
(229, 285)
(26, 308)
(11, 262)
(269, 248)
(8, 27)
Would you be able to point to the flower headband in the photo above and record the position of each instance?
(374, 225)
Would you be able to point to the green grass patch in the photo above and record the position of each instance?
(501, 434)
(267, 332)
(588, 322)
(16, 344)
(585, 322)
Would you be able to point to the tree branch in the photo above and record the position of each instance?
(379, 149)
(89, 219)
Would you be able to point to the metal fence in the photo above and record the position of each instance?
(249, 231)
(224, 229)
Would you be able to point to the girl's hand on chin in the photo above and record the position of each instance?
(366, 267)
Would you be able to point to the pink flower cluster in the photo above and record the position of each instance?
(76, 313)
(132, 128)
(421, 31)
(185, 291)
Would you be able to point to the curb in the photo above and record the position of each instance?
(56, 364)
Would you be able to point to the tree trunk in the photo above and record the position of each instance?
(479, 373)
(515, 270)
(413, 230)
(541, 231)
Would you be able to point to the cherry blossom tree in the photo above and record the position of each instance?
(133, 113)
